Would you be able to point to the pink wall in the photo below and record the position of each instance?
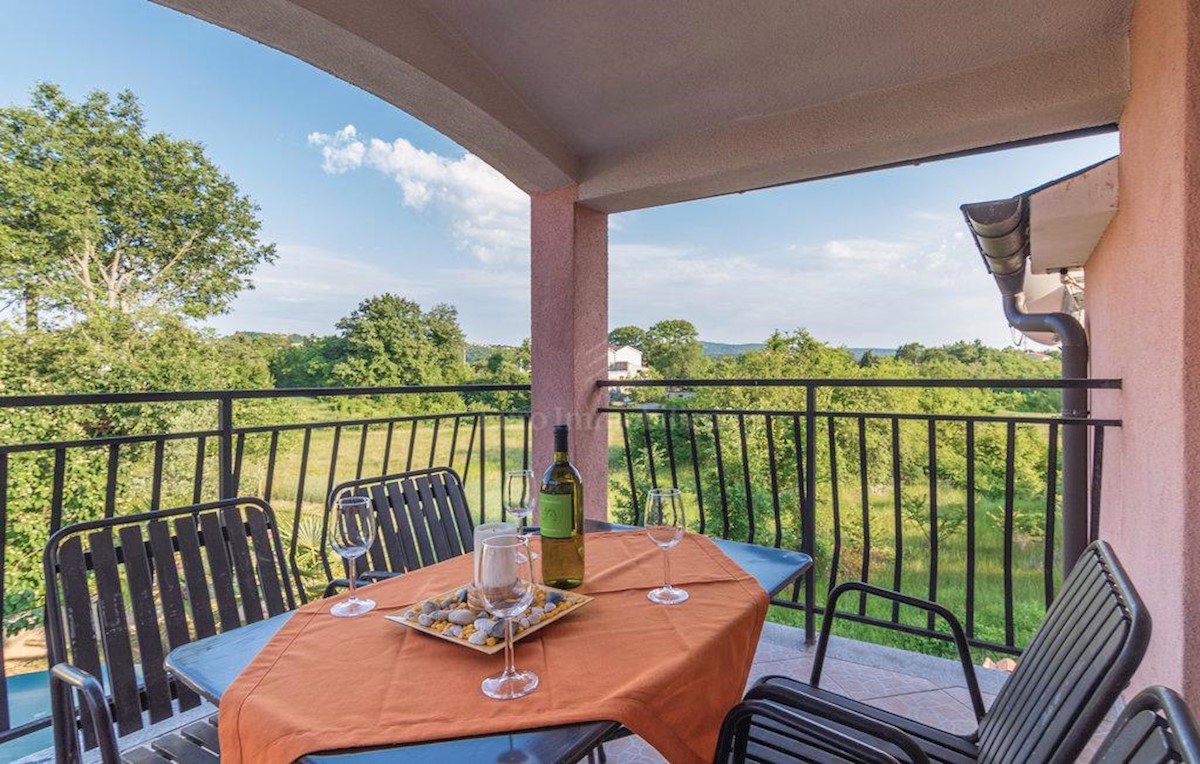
(1143, 293)
(569, 339)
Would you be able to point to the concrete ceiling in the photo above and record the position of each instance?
(646, 103)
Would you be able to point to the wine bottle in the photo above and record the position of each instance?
(560, 503)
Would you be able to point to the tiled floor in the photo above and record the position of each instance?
(930, 690)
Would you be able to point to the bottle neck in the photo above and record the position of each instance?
(561, 457)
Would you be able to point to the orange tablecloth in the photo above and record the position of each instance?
(669, 673)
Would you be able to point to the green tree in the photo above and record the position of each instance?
(99, 215)
(634, 336)
(506, 365)
(306, 362)
(673, 348)
(388, 340)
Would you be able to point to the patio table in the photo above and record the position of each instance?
(211, 665)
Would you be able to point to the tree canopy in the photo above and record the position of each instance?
(99, 215)
(673, 348)
(633, 336)
(389, 340)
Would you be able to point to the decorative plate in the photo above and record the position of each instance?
(439, 617)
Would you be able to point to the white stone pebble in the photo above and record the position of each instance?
(535, 617)
(484, 624)
(410, 614)
(455, 631)
(524, 622)
(548, 607)
(462, 616)
(425, 619)
(478, 638)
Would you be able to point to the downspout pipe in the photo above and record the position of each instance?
(1001, 231)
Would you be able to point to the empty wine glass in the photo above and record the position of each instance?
(665, 527)
(351, 535)
(505, 584)
(518, 498)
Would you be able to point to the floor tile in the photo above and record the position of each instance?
(631, 750)
(865, 682)
(935, 708)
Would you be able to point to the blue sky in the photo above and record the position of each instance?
(391, 205)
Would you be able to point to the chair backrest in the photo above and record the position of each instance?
(116, 587)
(1156, 726)
(422, 517)
(1082, 657)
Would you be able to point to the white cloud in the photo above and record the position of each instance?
(487, 214)
(307, 289)
(341, 151)
(854, 291)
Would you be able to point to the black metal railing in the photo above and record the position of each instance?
(142, 451)
(963, 509)
(830, 481)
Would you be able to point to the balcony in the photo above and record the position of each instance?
(962, 508)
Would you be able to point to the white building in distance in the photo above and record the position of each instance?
(624, 362)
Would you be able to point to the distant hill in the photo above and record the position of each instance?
(725, 349)
(482, 352)
(878, 352)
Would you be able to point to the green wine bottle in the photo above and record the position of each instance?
(561, 505)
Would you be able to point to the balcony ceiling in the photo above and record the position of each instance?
(647, 103)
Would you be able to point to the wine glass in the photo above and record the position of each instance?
(665, 527)
(518, 499)
(351, 536)
(505, 584)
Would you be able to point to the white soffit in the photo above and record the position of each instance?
(646, 103)
(1068, 217)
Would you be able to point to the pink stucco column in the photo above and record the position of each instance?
(1143, 299)
(570, 336)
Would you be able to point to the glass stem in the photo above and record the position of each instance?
(666, 568)
(509, 664)
(350, 576)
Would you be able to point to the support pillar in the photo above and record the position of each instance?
(1143, 295)
(569, 336)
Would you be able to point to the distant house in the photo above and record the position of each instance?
(624, 362)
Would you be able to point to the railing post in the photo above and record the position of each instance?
(225, 446)
(1075, 468)
(809, 519)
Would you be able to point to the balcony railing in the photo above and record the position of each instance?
(817, 478)
(142, 451)
(963, 509)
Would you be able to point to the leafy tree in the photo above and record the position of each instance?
(634, 336)
(388, 340)
(673, 348)
(99, 215)
(307, 362)
(506, 365)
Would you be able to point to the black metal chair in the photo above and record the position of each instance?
(1082, 657)
(422, 517)
(115, 586)
(1156, 726)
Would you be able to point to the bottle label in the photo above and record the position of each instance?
(558, 514)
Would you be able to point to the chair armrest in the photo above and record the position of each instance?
(372, 576)
(823, 709)
(956, 631)
(96, 703)
(739, 717)
(366, 579)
